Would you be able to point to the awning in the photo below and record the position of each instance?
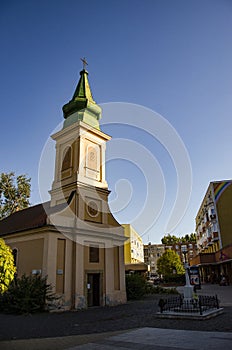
(136, 267)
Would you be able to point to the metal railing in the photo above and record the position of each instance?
(198, 304)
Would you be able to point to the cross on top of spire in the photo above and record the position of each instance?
(82, 107)
(85, 63)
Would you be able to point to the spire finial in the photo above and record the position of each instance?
(85, 63)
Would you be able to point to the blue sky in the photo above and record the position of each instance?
(171, 56)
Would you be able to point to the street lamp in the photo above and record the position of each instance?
(188, 289)
(184, 252)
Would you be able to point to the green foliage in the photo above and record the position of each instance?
(27, 294)
(14, 193)
(151, 289)
(169, 239)
(168, 263)
(161, 290)
(172, 239)
(135, 286)
(193, 237)
(7, 268)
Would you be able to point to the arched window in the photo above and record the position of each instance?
(67, 158)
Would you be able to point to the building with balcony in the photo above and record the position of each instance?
(214, 232)
(133, 251)
(152, 252)
(185, 250)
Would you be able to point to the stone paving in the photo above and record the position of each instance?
(156, 338)
(224, 293)
(133, 325)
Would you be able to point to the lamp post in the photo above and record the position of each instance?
(188, 288)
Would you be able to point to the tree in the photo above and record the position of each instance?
(14, 193)
(169, 240)
(169, 263)
(7, 267)
(193, 237)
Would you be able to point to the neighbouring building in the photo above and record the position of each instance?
(214, 237)
(133, 251)
(152, 252)
(74, 239)
(185, 250)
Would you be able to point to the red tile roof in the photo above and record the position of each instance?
(28, 218)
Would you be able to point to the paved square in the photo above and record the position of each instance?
(163, 339)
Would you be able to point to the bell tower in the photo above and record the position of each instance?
(80, 146)
(79, 208)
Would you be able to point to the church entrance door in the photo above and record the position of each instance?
(93, 289)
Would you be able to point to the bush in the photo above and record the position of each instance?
(135, 286)
(7, 268)
(27, 294)
(149, 288)
(160, 290)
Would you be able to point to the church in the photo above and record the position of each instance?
(73, 239)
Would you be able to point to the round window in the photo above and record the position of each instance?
(92, 208)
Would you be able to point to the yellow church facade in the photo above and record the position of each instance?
(74, 239)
